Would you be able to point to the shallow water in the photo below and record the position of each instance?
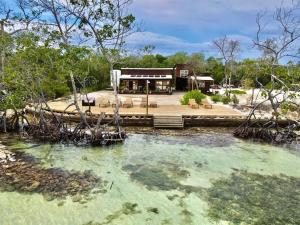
(150, 179)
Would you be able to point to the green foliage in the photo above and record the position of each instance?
(248, 83)
(236, 92)
(34, 70)
(216, 98)
(226, 100)
(195, 94)
(254, 199)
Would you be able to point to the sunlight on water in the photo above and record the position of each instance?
(148, 180)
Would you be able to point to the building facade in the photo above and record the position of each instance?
(161, 80)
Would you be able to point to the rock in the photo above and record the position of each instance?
(48, 197)
(153, 210)
(61, 203)
(34, 186)
(76, 198)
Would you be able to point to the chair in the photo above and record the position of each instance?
(193, 104)
(113, 104)
(153, 104)
(206, 104)
(104, 102)
(144, 102)
(88, 101)
(127, 103)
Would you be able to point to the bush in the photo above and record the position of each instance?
(226, 100)
(216, 98)
(197, 95)
(236, 92)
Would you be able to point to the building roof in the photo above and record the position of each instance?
(203, 78)
(146, 77)
(146, 68)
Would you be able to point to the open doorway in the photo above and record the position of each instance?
(181, 84)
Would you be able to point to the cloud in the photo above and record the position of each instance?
(200, 12)
(191, 25)
(166, 44)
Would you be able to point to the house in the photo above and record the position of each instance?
(134, 80)
(161, 80)
(186, 80)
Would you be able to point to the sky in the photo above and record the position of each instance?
(192, 25)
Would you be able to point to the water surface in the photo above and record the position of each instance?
(148, 180)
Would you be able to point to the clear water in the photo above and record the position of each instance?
(190, 161)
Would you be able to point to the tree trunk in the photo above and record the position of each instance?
(117, 108)
(2, 64)
(252, 96)
(4, 122)
(82, 115)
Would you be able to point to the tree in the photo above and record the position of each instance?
(108, 23)
(278, 91)
(228, 49)
(216, 68)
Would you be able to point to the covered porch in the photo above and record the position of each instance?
(137, 84)
(203, 82)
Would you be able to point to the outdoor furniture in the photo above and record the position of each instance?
(104, 102)
(193, 104)
(153, 104)
(206, 104)
(113, 104)
(144, 102)
(88, 102)
(127, 103)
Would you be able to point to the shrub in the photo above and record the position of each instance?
(235, 100)
(236, 92)
(226, 100)
(216, 98)
(195, 94)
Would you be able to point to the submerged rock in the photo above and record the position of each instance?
(153, 210)
(128, 208)
(254, 199)
(152, 178)
(21, 173)
(156, 179)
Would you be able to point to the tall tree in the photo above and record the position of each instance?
(228, 49)
(278, 92)
(108, 23)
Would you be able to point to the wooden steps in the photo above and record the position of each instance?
(160, 121)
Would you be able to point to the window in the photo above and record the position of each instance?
(184, 73)
(162, 85)
(201, 84)
(135, 85)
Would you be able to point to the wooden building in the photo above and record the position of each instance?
(134, 80)
(185, 79)
(162, 80)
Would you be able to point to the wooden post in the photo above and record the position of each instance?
(147, 91)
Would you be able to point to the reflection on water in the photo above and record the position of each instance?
(164, 180)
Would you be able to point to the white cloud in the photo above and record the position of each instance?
(191, 12)
(166, 44)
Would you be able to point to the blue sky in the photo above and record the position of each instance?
(192, 25)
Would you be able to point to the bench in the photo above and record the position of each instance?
(88, 102)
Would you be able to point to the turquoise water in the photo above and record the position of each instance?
(149, 179)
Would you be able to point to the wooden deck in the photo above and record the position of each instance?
(171, 110)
